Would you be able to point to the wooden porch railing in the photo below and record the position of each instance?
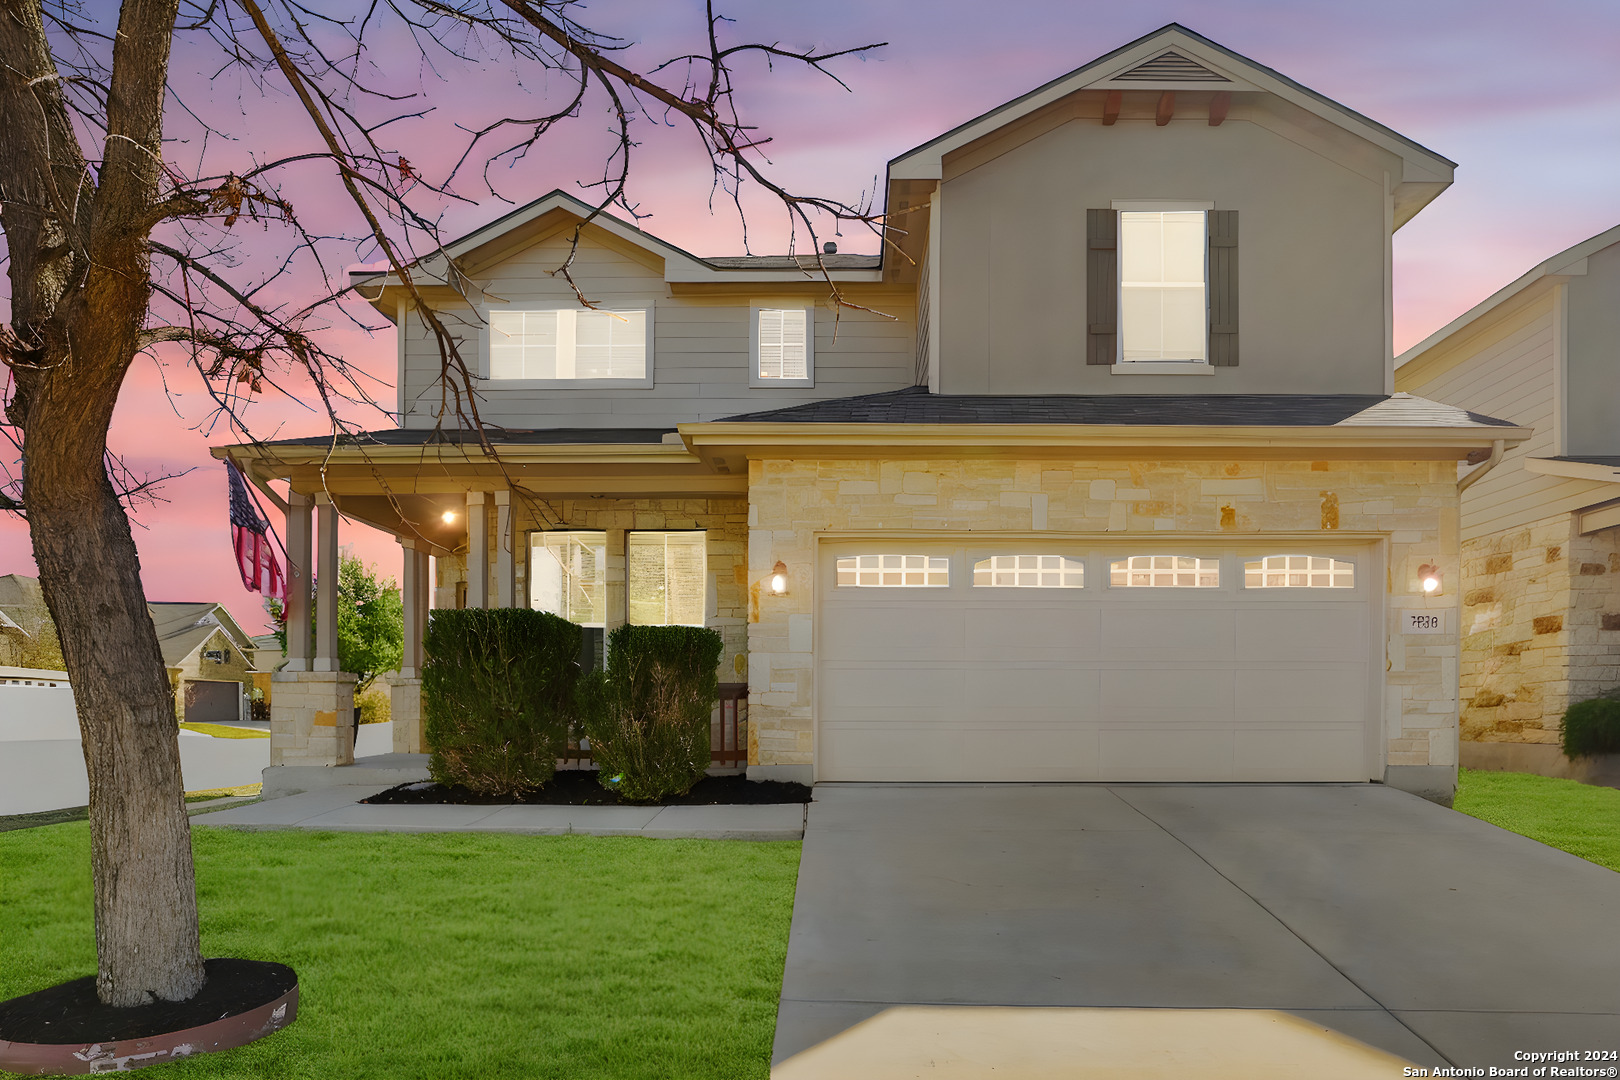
(728, 733)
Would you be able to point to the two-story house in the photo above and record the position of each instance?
(1541, 534)
(1109, 483)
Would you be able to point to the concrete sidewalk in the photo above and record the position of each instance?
(338, 809)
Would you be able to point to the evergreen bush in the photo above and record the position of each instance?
(498, 687)
(1592, 727)
(647, 714)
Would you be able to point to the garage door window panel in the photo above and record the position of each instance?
(1298, 572)
(893, 571)
(1029, 572)
(1164, 572)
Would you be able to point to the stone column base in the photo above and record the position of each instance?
(312, 718)
(405, 706)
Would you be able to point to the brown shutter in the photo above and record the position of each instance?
(1223, 288)
(1102, 286)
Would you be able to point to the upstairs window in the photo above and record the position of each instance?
(1162, 289)
(783, 339)
(568, 344)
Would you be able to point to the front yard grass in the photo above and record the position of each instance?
(442, 955)
(1581, 819)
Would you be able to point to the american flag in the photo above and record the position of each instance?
(250, 535)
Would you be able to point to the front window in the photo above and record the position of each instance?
(1162, 290)
(565, 344)
(568, 575)
(668, 578)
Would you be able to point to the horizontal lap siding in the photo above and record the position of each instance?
(701, 349)
(1508, 373)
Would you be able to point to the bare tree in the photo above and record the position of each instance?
(118, 247)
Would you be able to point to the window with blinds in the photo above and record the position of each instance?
(667, 578)
(567, 575)
(566, 344)
(1163, 294)
(782, 346)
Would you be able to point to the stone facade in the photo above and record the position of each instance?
(405, 710)
(1411, 504)
(1541, 625)
(312, 718)
(238, 669)
(724, 520)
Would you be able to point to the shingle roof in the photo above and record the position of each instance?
(182, 627)
(497, 435)
(794, 262)
(915, 405)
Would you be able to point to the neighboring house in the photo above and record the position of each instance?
(210, 660)
(1066, 497)
(1540, 534)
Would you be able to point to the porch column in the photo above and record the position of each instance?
(405, 692)
(505, 552)
(326, 654)
(312, 702)
(477, 551)
(299, 528)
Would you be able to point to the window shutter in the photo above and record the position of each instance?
(1102, 286)
(1223, 288)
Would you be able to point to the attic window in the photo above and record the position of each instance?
(568, 344)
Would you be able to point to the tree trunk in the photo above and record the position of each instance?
(147, 945)
(81, 282)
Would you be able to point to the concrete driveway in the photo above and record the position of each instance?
(1420, 931)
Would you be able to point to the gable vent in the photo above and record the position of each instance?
(1171, 67)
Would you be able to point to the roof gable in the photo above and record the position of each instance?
(1174, 57)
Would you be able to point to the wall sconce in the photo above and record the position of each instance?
(448, 517)
(1429, 575)
(779, 579)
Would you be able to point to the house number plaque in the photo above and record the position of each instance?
(1423, 622)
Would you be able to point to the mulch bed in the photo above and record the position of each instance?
(72, 1014)
(580, 787)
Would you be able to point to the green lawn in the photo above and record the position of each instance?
(443, 955)
(1578, 818)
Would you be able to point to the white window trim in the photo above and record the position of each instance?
(484, 310)
(1122, 366)
(704, 575)
(809, 309)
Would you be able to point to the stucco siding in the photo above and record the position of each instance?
(1310, 251)
(700, 348)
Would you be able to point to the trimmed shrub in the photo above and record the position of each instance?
(647, 715)
(1592, 727)
(498, 689)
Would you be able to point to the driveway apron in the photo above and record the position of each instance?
(1420, 931)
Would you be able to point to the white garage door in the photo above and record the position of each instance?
(1035, 660)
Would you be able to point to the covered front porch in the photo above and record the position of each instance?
(601, 527)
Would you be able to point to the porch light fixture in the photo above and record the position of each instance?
(1429, 575)
(448, 516)
(779, 582)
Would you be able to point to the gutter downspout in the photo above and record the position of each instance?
(1498, 448)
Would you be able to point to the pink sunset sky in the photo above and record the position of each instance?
(1526, 98)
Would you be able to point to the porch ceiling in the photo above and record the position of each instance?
(406, 489)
